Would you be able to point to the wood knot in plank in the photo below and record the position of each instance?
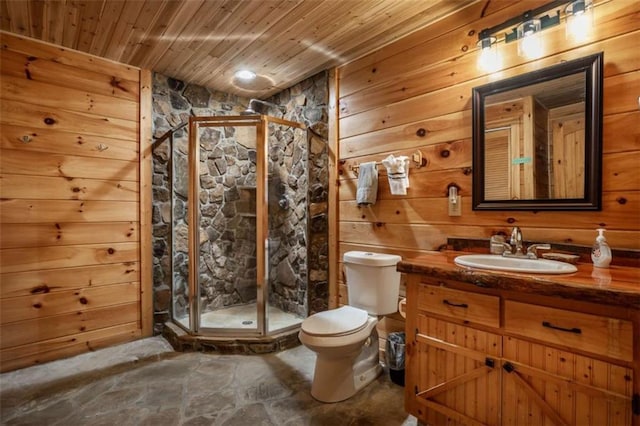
(40, 289)
(116, 84)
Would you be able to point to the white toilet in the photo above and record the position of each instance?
(345, 340)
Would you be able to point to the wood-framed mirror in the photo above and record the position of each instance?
(537, 139)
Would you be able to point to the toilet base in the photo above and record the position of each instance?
(339, 378)
(366, 377)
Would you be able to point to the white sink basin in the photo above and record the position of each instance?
(512, 264)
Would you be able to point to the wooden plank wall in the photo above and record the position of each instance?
(73, 219)
(424, 81)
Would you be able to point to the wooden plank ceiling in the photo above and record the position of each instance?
(206, 41)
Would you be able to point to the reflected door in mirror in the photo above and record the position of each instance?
(567, 147)
(533, 151)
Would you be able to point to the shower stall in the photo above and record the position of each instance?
(239, 234)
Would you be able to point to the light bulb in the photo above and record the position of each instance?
(531, 47)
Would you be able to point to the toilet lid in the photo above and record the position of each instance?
(344, 320)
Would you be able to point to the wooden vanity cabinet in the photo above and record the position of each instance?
(489, 357)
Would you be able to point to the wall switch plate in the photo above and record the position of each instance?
(455, 209)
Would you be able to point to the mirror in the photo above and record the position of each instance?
(537, 139)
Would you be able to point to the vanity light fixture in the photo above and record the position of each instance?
(579, 19)
(526, 30)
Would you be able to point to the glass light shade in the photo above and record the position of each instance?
(489, 59)
(245, 74)
(530, 44)
(579, 20)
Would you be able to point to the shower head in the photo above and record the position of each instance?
(251, 111)
(248, 111)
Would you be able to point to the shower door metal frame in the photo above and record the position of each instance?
(261, 123)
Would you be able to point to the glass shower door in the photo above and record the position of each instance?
(179, 242)
(242, 243)
(288, 188)
(227, 249)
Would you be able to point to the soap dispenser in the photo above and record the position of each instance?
(601, 252)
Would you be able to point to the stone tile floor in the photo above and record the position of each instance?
(147, 383)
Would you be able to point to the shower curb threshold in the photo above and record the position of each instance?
(182, 341)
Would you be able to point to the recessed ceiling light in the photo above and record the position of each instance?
(245, 74)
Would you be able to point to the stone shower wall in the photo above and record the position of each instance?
(306, 102)
(227, 232)
(228, 246)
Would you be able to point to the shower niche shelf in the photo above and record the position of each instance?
(246, 205)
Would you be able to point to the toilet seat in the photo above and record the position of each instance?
(336, 322)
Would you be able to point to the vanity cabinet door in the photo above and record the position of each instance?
(544, 385)
(455, 374)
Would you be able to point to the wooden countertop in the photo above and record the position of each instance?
(617, 285)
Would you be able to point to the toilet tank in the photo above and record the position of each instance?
(372, 281)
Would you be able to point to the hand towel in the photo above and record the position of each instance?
(405, 160)
(396, 172)
(367, 191)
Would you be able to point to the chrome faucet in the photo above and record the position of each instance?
(531, 250)
(515, 247)
(498, 245)
(516, 242)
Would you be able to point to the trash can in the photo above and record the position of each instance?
(394, 356)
